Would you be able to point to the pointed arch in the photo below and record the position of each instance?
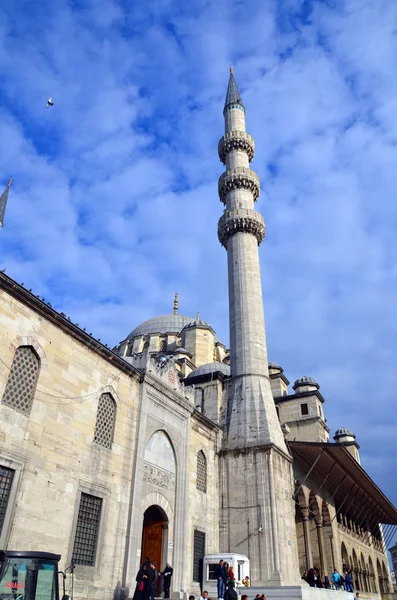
(379, 575)
(105, 420)
(345, 557)
(160, 451)
(371, 576)
(201, 478)
(22, 380)
(385, 579)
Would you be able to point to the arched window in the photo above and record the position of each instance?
(163, 345)
(105, 421)
(22, 380)
(201, 482)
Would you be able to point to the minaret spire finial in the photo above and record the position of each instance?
(232, 95)
(3, 202)
(176, 303)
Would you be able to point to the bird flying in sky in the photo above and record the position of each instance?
(49, 103)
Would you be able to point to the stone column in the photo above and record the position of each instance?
(321, 544)
(306, 535)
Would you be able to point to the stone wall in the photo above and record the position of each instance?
(53, 450)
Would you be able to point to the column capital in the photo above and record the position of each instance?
(305, 513)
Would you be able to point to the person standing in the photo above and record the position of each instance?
(167, 574)
(336, 579)
(220, 583)
(348, 581)
(152, 578)
(142, 584)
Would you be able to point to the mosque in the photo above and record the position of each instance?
(173, 445)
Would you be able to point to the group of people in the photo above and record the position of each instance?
(227, 596)
(338, 582)
(146, 581)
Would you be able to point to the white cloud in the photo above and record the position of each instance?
(114, 205)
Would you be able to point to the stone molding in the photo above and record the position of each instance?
(164, 369)
(28, 340)
(241, 220)
(236, 140)
(158, 476)
(157, 499)
(237, 178)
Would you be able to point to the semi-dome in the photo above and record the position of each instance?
(305, 380)
(162, 324)
(208, 368)
(344, 432)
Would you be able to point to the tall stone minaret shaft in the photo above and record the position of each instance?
(258, 517)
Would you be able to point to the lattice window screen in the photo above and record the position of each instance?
(105, 421)
(198, 554)
(6, 478)
(201, 482)
(87, 529)
(21, 382)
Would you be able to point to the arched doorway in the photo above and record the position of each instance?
(155, 538)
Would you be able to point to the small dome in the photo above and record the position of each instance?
(275, 367)
(207, 368)
(181, 350)
(343, 432)
(302, 381)
(163, 324)
(198, 323)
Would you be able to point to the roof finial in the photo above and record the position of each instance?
(9, 182)
(231, 69)
(198, 317)
(176, 303)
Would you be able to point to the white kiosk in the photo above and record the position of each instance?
(239, 563)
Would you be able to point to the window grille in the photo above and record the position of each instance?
(201, 483)
(198, 554)
(6, 478)
(87, 529)
(105, 420)
(21, 382)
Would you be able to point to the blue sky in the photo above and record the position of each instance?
(114, 204)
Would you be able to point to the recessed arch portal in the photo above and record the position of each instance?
(155, 538)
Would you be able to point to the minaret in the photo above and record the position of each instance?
(3, 202)
(257, 482)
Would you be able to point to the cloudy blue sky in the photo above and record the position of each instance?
(114, 205)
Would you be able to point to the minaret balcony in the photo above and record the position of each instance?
(243, 220)
(238, 178)
(236, 140)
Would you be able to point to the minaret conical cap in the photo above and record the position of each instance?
(232, 94)
(3, 203)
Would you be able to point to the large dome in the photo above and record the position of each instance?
(163, 324)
